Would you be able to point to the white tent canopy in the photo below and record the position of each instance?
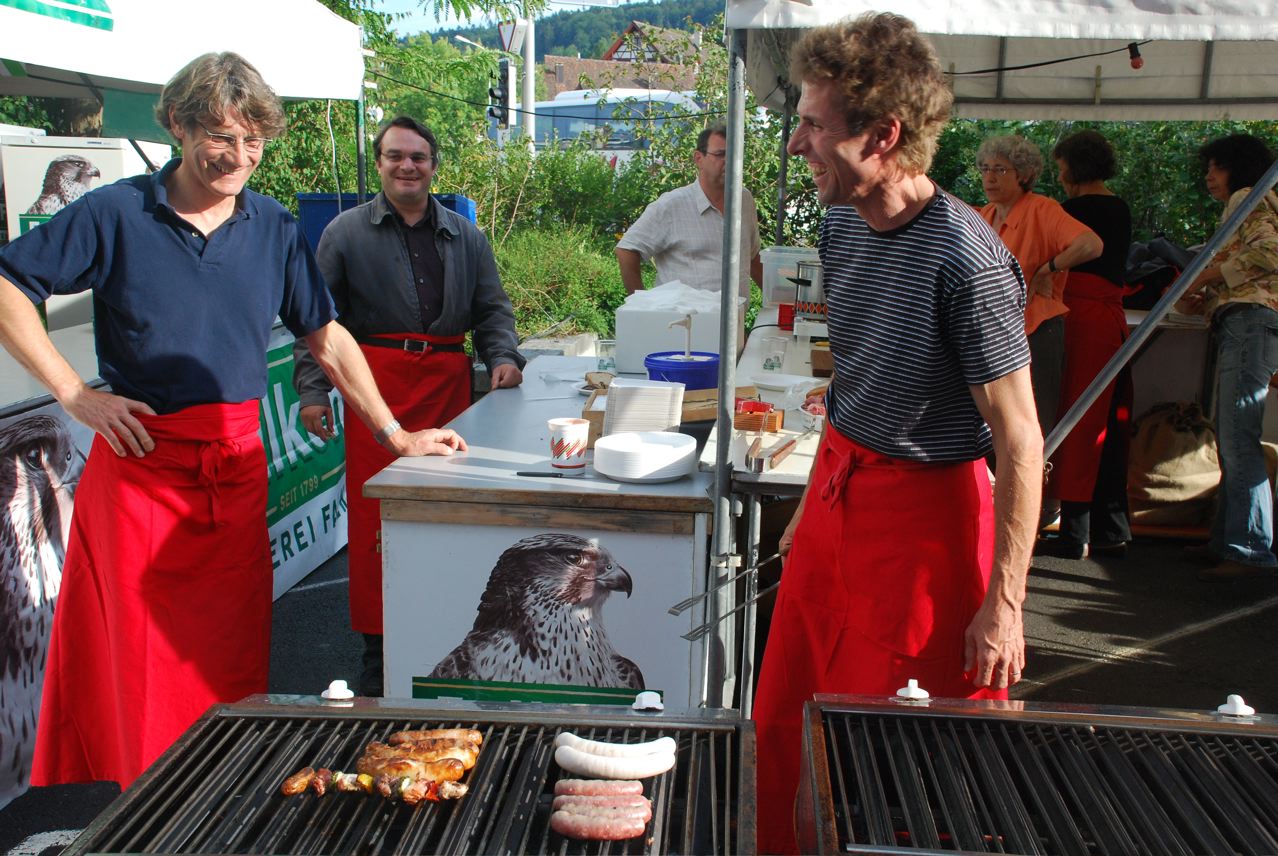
(1212, 59)
(56, 47)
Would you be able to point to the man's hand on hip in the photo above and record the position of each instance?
(112, 417)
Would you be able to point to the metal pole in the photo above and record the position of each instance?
(1146, 329)
(529, 102)
(723, 540)
(783, 173)
(361, 159)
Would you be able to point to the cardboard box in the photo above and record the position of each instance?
(773, 420)
(699, 405)
(641, 332)
(593, 412)
(822, 362)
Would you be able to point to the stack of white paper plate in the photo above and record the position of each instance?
(645, 456)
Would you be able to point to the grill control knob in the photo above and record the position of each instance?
(648, 700)
(912, 691)
(337, 691)
(1235, 706)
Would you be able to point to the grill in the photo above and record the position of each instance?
(1011, 777)
(216, 790)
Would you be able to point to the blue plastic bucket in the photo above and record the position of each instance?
(700, 372)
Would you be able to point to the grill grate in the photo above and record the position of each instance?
(217, 789)
(900, 779)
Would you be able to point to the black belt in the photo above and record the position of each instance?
(412, 346)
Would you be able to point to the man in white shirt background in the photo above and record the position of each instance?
(682, 231)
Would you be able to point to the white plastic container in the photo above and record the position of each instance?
(780, 263)
(641, 332)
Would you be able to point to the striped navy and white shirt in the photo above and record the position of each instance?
(917, 315)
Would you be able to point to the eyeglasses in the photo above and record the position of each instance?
(226, 141)
(998, 170)
(418, 158)
(718, 154)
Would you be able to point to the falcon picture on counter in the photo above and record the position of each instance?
(541, 618)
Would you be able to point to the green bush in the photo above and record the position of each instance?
(556, 273)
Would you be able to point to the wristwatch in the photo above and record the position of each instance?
(387, 431)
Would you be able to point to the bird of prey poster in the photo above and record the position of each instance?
(547, 614)
(42, 454)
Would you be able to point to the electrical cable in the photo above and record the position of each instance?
(1132, 50)
(512, 109)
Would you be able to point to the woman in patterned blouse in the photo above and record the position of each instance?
(1238, 291)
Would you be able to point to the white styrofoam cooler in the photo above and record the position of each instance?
(641, 332)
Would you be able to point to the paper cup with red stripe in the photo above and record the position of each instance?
(568, 438)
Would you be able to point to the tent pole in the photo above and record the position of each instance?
(722, 559)
(1164, 305)
(361, 160)
(783, 173)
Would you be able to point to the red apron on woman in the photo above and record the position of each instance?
(165, 605)
(890, 562)
(424, 389)
(1095, 329)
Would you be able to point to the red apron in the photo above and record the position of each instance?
(165, 605)
(890, 562)
(423, 390)
(1095, 329)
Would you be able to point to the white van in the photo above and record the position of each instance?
(610, 117)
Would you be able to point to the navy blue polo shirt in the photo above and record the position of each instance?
(179, 319)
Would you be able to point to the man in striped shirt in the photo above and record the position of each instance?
(900, 562)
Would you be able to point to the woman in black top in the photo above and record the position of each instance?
(1089, 475)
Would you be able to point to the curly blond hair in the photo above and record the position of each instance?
(211, 86)
(883, 68)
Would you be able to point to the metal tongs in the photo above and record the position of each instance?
(684, 605)
(697, 632)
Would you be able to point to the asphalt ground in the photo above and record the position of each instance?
(1138, 631)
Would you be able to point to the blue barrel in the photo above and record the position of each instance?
(316, 210)
(700, 372)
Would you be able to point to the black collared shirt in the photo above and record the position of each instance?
(428, 267)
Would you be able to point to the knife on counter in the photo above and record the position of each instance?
(541, 475)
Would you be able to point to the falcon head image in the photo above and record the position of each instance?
(541, 618)
(39, 470)
(66, 180)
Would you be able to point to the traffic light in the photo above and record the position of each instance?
(499, 95)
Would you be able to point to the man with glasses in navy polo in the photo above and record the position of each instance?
(165, 601)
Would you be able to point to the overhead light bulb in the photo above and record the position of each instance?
(1138, 61)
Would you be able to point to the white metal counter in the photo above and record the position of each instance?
(464, 533)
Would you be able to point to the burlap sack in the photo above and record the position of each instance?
(1173, 470)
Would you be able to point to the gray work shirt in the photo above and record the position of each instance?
(364, 259)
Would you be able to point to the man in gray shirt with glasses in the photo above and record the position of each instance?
(409, 279)
(682, 231)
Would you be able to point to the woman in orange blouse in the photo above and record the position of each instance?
(1046, 241)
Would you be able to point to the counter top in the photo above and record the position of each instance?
(795, 378)
(506, 432)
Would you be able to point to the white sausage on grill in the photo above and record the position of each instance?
(616, 750)
(602, 767)
(597, 787)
